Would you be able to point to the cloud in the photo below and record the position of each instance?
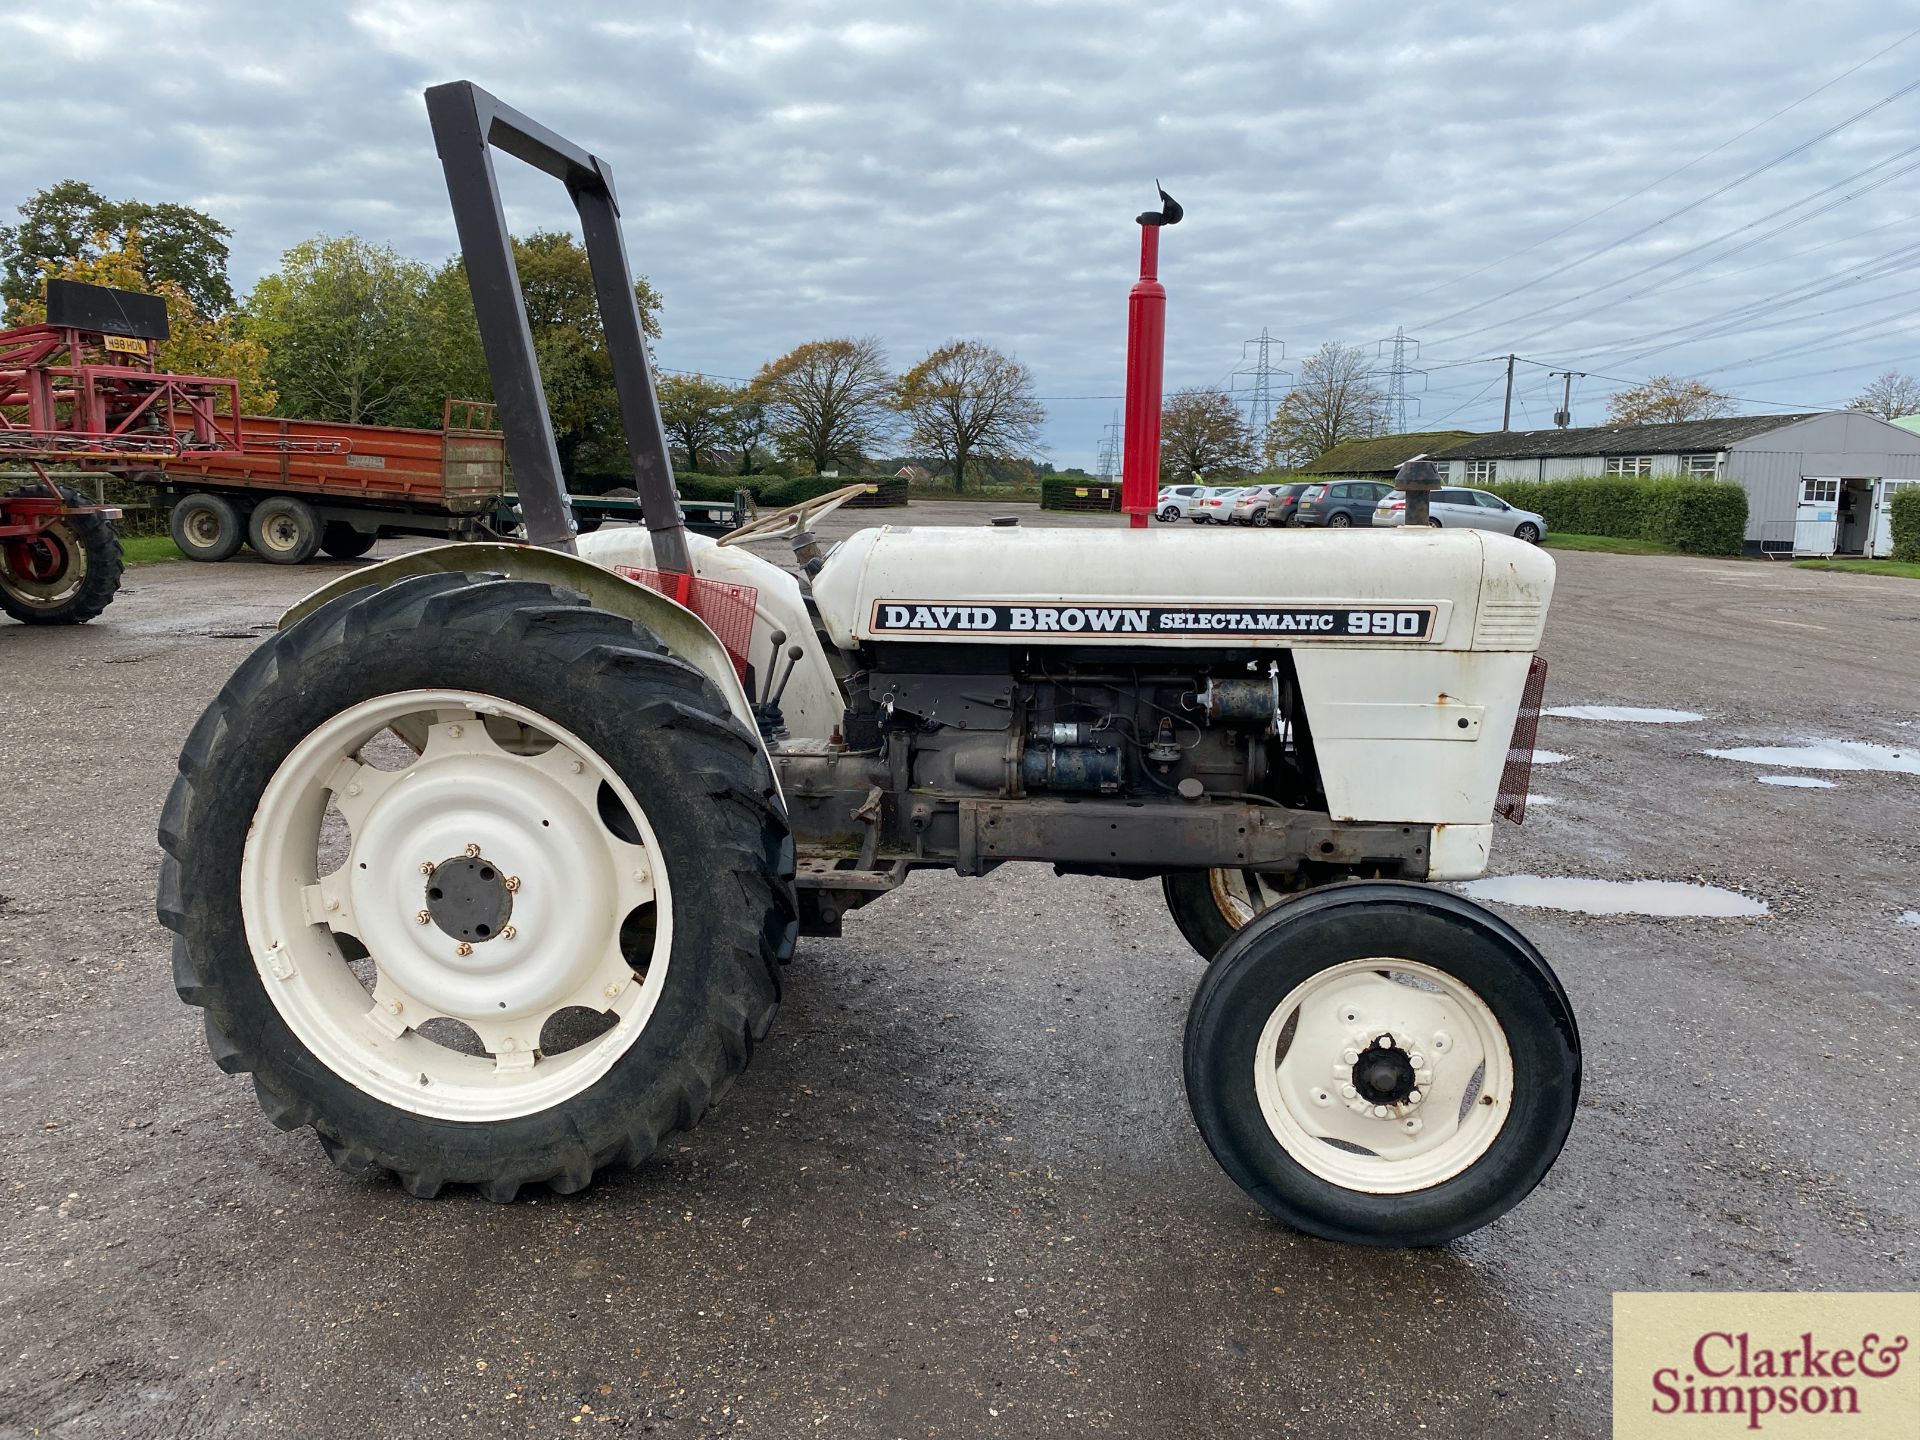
(792, 170)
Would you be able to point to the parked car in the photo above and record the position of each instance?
(1466, 510)
(1174, 500)
(1340, 503)
(1265, 504)
(1286, 499)
(1215, 506)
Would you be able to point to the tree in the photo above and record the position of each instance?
(967, 399)
(745, 427)
(829, 401)
(1203, 433)
(345, 324)
(71, 222)
(1336, 399)
(569, 344)
(197, 345)
(694, 410)
(1665, 399)
(1890, 397)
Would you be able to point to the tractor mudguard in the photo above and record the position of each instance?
(682, 631)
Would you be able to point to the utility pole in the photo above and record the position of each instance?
(1506, 411)
(1563, 417)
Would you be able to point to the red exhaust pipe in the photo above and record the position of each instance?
(1146, 351)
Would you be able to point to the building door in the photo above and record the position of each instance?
(1881, 544)
(1816, 521)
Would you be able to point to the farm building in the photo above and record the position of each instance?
(1379, 457)
(1817, 484)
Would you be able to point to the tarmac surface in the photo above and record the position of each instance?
(959, 1193)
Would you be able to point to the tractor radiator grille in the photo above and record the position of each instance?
(1514, 780)
(727, 609)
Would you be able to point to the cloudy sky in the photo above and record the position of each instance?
(1718, 189)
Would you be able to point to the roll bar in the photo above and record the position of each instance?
(468, 124)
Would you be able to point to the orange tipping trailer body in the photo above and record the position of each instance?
(460, 469)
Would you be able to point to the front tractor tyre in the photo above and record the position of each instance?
(482, 884)
(65, 573)
(1382, 1064)
(283, 530)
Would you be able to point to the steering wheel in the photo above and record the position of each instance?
(798, 517)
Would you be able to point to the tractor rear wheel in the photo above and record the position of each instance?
(1382, 1064)
(283, 530)
(206, 527)
(343, 542)
(1210, 906)
(480, 883)
(65, 573)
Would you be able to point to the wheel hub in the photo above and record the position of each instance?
(1383, 1074)
(469, 898)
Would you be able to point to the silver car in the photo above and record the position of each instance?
(1466, 510)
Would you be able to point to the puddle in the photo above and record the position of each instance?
(1828, 755)
(1547, 757)
(1909, 917)
(1616, 897)
(1796, 782)
(1533, 800)
(1632, 714)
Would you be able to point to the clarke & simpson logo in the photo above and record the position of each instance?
(1782, 1365)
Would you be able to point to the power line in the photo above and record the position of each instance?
(1693, 205)
(1705, 155)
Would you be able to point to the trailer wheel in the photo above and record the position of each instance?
(343, 542)
(283, 530)
(1210, 906)
(531, 941)
(64, 574)
(205, 527)
(1382, 1064)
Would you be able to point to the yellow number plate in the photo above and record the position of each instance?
(126, 345)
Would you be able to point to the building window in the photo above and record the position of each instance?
(1629, 465)
(1480, 471)
(1819, 492)
(1701, 464)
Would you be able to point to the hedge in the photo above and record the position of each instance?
(1076, 493)
(768, 491)
(1701, 517)
(1906, 523)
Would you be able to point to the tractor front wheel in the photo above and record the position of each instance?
(65, 573)
(1382, 1064)
(480, 883)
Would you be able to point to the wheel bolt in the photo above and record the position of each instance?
(1347, 1092)
(463, 948)
(394, 1007)
(473, 852)
(512, 882)
(1413, 1097)
(426, 867)
(613, 992)
(576, 767)
(1417, 1061)
(507, 932)
(423, 916)
(1379, 1112)
(456, 731)
(354, 788)
(1385, 1042)
(1352, 1057)
(333, 904)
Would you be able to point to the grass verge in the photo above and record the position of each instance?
(149, 549)
(1610, 545)
(1906, 569)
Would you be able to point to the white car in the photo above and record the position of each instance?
(1215, 505)
(1174, 500)
(1466, 510)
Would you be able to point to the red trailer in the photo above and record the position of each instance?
(291, 487)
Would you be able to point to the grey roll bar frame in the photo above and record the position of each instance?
(468, 125)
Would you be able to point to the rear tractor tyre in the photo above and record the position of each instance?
(1382, 1064)
(64, 574)
(283, 531)
(1209, 907)
(343, 542)
(205, 527)
(550, 947)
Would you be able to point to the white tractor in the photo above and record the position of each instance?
(486, 865)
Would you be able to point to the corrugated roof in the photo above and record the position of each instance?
(1679, 437)
(1907, 422)
(1383, 454)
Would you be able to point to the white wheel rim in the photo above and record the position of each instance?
(1243, 894)
(1462, 1063)
(533, 815)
